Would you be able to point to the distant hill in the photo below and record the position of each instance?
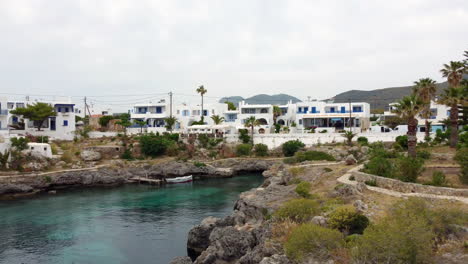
(262, 99)
(379, 98)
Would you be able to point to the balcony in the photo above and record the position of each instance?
(3, 112)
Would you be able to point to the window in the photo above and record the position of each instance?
(158, 110)
(300, 121)
(264, 111)
(306, 109)
(59, 109)
(332, 109)
(205, 112)
(65, 122)
(66, 110)
(357, 109)
(10, 105)
(314, 110)
(19, 105)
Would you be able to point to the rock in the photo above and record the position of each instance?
(181, 260)
(343, 190)
(320, 220)
(360, 206)
(35, 165)
(90, 155)
(350, 160)
(14, 188)
(365, 150)
(198, 237)
(52, 192)
(61, 164)
(276, 259)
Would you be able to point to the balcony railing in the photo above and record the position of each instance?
(3, 112)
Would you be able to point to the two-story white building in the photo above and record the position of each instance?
(152, 113)
(61, 126)
(3, 114)
(332, 116)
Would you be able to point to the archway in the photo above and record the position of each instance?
(262, 121)
(261, 131)
(281, 122)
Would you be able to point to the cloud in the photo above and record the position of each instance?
(305, 48)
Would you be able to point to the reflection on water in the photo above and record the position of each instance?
(129, 224)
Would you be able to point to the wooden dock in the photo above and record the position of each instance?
(146, 180)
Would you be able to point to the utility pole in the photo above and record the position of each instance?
(350, 120)
(170, 102)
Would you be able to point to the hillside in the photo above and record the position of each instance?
(262, 99)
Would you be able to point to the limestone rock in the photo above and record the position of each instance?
(365, 150)
(90, 155)
(320, 220)
(14, 188)
(276, 259)
(181, 260)
(350, 160)
(360, 206)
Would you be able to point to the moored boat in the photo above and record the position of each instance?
(180, 179)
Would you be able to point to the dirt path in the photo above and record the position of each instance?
(345, 180)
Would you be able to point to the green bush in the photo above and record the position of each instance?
(289, 160)
(19, 143)
(462, 158)
(291, 147)
(438, 179)
(243, 149)
(408, 169)
(244, 136)
(402, 141)
(441, 136)
(310, 239)
(154, 145)
(363, 141)
(104, 120)
(312, 155)
(203, 140)
(379, 165)
(347, 220)
(404, 236)
(372, 182)
(127, 154)
(199, 164)
(298, 210)
(261, 150)
(423, 154)
(303, 189)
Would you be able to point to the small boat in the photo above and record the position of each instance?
(180, 179)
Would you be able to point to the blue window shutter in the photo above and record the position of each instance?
(65, 122)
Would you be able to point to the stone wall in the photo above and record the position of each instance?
(407, 187)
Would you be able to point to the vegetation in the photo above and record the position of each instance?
(243, 149)
(202, 91)
(217, 119)
(199, 164)
(4, 159)
(297, 210)
(408, 169)
(438, 179)
(347, 220)
(141, 124)
(363, 141)
(407, 109)
(251, 122)
(310, 239)
(104, 120)
(261, 150)
(231, 106)
(154, 145)
(37, 112)
(244, 136)
(291, 147)
(127, 154)
(310, 155)
(462, 158)
(303, 189)
(425, 89)
(170, 123)
(402, 142)
(393, 121)
(349, 135)
(20, 143)
(453, 97)
(379, 165)
(276, 113)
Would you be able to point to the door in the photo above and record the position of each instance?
(52, 123)
(343, 109)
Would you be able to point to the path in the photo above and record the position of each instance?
(345, 180)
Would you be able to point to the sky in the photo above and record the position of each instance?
(120, 52)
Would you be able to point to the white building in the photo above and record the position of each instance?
(332, 116)
(3, 114)
(61, 126)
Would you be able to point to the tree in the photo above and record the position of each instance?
(231, 106)
(425, 89)
(170, 122)
(4, 159)
(349, 135)
(202, 91)
(125, 123)
(104, 120)
(252, 122)
(453, 97)
(407, 109)
(393, 121)
(276, 112)
(141, 124)
(453, 72)
(38, 112)
(217, 119)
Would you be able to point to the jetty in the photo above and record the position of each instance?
(146, 180)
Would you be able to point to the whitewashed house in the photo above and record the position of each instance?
(3, 114)
(262, 112)
(332, 116)
(153, 114)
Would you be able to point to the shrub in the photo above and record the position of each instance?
(298, 210)
(289, 160)
(372, 182)
(301, 156)
(261, 150)
(66, 157)
(379, 166)
(402, 141)
(154, 145)
(347, 220)
(441, 136)
(203, 140)
(243, 149)
(408, 169)
(423, 154)
(291, 147)
(296, 170)
(363, 141)
(310, 239)
(199, 164)
(438, 179)
(127, 154)
(303, 189)
(462, 158)
(19, 143)
(54, 149)
(104, 120)
(323, 131)
(244, 136)
(48, 179)
(327, 169)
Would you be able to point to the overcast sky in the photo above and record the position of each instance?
(242, 47)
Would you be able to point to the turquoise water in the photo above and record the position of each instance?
(128, 224)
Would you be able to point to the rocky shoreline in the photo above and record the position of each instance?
(120, 172)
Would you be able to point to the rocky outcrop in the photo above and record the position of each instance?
(181, 260)
(90, 155)
(179, 168)
(244, 165)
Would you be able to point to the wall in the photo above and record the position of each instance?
(407, 187)
(276, 140)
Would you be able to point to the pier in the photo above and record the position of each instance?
(146, 180)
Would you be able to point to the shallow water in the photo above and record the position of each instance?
(128, 224)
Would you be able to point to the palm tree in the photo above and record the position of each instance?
(202, 91)
(141, 124)
(453, 72)
(217, 119)
(251, 122)
(276, 112)
(408, 108)
(453, 97)
(349, 135)
(425, 89)
(170, 122)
